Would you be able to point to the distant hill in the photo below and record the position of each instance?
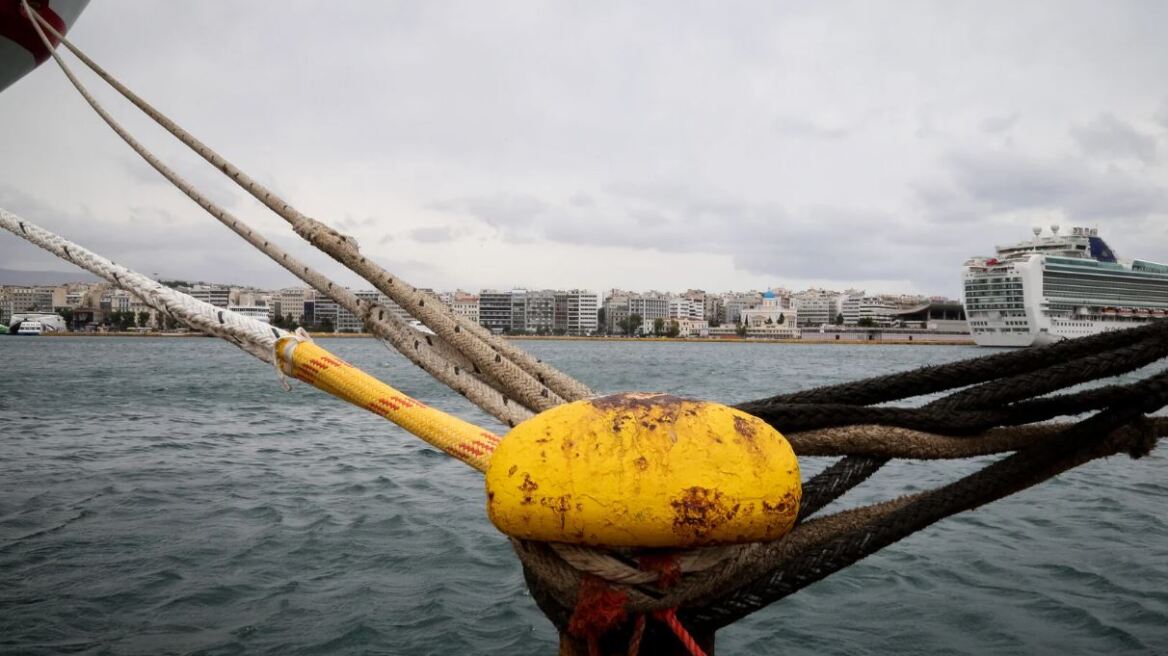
(12, 277)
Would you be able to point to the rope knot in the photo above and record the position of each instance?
(600, 608)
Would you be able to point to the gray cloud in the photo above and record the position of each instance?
(801, 126)
(987, 182)
(828, 243)
(1108, 137)
(437, 234)
(1161, 116)
(999, 124)
(156, 241)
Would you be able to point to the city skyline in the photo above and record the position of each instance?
(876, 147)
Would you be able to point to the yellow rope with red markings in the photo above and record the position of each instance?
(307, 362)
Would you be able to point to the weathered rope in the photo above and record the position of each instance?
(534, 383)
(957, 421)
(751, 576)
(606, 565)
(806, 556)
(890, 442)
(856, 533)
(929, 380)
(1104, 364)
(427, 352)
(254, 337)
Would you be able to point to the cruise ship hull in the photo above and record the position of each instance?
(1057, 331)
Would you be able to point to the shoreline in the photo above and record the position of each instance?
(576, 338)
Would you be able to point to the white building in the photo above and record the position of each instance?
(681, 307)
(773, 317)
(816, 307)
(650, 307)
(217, 295)
(24, 299)
(289, 303)
(693, 328)
(734, 303)
(462, 303)
(577, 312)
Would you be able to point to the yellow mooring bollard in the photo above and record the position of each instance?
(643, 470)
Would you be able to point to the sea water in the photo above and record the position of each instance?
(167, 496)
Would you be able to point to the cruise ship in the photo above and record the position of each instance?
(1059, 286)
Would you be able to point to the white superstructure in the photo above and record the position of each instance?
(257, 312)
(1059, 286)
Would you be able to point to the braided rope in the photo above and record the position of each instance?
(756, 575)
(254, 337)
(311, 364)
(929, 380)
(891, 442)
(536, 384)
(429, 353)
(604, 564)
(822, 547)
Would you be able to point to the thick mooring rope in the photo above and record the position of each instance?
(749, 577)
(256, 338)
(535, 384)
(427, 352)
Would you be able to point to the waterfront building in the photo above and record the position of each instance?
(518, 311)
(651, 307)
(495, 310)
(217, 295)
(248, 296)
(15, 299)
(816, 307)
(73, 297)
(539, 312)
(576, 312)
(693, 328)
(118, 300)
(937, 314)
(735, 302)
(289, 303)
(683, 307)
(616, 311)
(712, 310)
(323, 309)
(462, 303)
(773, 317)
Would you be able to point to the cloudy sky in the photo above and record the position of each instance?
(593, 144)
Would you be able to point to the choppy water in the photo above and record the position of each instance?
(166, 496)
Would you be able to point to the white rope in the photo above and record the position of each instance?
(255, 337)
